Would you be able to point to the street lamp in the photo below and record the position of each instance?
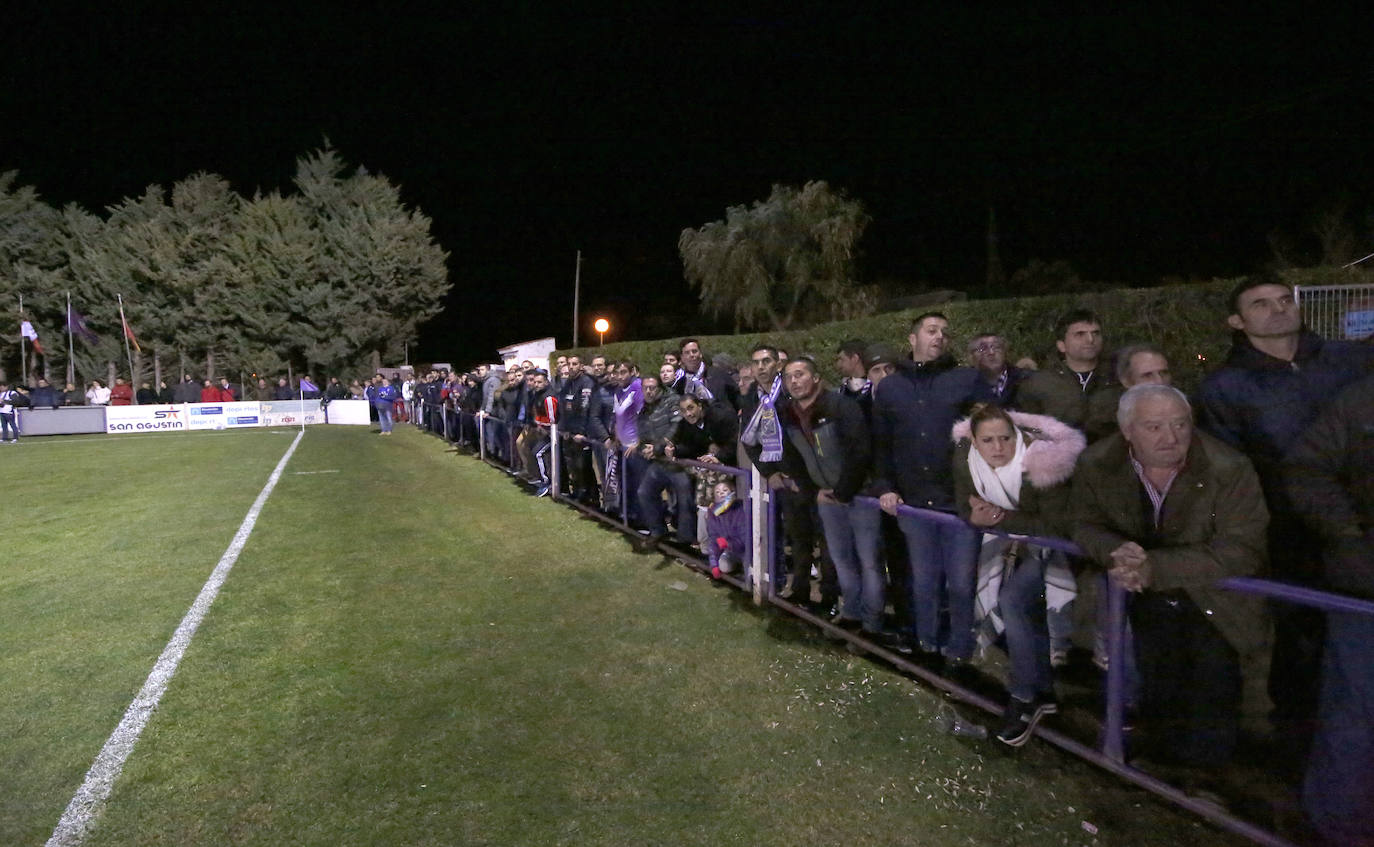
(601, 326)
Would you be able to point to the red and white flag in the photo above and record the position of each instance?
(26, 329)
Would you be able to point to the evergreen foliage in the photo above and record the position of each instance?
(214, 282)
(783, 262)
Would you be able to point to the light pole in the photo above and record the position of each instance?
(601, 326)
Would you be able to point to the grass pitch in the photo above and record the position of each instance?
(410, 650)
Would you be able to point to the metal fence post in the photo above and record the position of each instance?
(555, 463)
(481, 437)
(763, 546)
(1113, 746)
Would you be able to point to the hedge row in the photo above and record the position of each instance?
(1187, 321)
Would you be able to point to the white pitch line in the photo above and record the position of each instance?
(308, 473)
(90, 798)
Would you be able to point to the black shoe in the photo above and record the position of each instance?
(649, 543)
(888, 640)
(1019, 718)
(847, 624)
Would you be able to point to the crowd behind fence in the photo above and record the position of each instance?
(495, 441)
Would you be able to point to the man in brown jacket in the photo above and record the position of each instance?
(1168, 512)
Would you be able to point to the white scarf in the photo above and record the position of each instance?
(999, 486)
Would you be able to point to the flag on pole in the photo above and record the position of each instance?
(307, 385)
(76, 325)
(128, 333)
(26, 329)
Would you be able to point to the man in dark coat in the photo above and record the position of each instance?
(1330, 485)
(1276, 379)
(913, 412)
(1168, 512)
(705, 382)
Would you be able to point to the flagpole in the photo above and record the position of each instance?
(23, 354)
(71, 350)
(124, 325)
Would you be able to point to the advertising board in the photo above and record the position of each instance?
(145, 418)
(291, 413)
(223, 415)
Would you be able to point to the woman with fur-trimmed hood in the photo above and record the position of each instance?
(1011, 471)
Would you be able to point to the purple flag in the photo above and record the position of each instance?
(307, 385)
(76, 325)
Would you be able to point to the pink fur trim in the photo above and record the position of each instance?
(1052, 452)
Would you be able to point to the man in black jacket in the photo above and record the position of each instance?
(826, 458)
(711, 384)
(1277, 377)
(913, 412)
(576, 424)
(1328, 479)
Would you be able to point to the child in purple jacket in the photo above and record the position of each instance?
(727, 531)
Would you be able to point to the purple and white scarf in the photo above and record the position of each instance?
(764, 428)
(696, 384)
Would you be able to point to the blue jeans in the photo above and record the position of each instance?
(384, 416)
(657, 479)
(1022, 604)
(8, 428)
(949, 552)
(1339, 787)
(851, 536)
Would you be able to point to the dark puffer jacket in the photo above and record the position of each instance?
(1260, 404)
(913, 412)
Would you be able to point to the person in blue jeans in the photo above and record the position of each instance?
(9, 427)
(1011, 473)
(827, 455)
(382, 394)
(913, 412)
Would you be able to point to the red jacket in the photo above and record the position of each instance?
(121, 395)
(210, 394)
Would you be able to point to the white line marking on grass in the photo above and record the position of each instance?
(59, 440)
(90, 798)
(308, 473)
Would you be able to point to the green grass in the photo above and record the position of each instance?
(412, 651)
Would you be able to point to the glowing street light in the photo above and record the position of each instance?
(601, 326)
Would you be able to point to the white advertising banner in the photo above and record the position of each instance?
(223, 415)
(146, 418)
(291, 413)
(349, 412)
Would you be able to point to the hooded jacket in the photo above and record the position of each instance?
(1047, 467)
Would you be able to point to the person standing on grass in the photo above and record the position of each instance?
(1328, 479)
(914, 410)
(1277, 377)
(9, 425)
(1169, 512)
(1011, 472)
(383, 395)
(827, 456)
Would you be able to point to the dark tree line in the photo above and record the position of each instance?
(323, 279)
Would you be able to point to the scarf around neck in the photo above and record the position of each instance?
(999, 486)
(764, 429)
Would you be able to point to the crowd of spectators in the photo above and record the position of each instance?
(1262, 473)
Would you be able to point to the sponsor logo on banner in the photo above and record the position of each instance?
(144, 418)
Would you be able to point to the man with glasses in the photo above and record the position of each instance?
(988, 354)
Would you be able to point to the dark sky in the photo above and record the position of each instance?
(1134, 145)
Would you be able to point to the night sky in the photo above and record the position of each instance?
(1134, 145)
